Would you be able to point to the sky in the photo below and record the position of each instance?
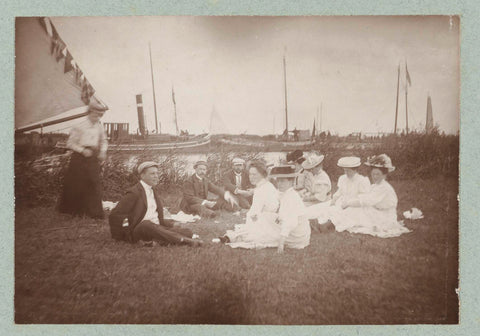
(341, 71)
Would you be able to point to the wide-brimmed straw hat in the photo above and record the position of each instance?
(146, 165)
(349, 162)
(312, 161)
(295, 157)
(283, 171)
(380, 161)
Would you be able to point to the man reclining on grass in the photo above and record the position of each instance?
(195, 195)
(139, 214)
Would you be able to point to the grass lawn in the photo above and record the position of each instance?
(69, 270)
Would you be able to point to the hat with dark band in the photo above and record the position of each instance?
(283, 171)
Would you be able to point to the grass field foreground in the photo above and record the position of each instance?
(69, 270)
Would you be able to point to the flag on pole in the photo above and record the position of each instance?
(408, 75)
(173, 96)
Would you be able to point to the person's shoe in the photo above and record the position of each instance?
(192, 242)
(224, 239)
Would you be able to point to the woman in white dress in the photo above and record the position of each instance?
(294, 228)
(317, 182)
(374, 212)
(351, 184)
(261, 227)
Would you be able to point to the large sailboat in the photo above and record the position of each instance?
(52, 94)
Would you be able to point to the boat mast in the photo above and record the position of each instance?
(153, 87)
(406, 100)
(285, 81)
(396, 108)
(175, 109)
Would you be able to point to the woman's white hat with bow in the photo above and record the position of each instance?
(313, 161)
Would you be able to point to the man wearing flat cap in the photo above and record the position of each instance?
(82, 190)
(139, 214)
(195, 194)
(237, 182)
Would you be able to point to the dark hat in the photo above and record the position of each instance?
(200, 163)
(295, 156)
(284, 171)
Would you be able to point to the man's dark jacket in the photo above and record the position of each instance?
(230, 182)
(134, 207)
(196, 191)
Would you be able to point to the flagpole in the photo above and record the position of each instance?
(406, 100)
(396, 107)
(153, 87)
(285, 81)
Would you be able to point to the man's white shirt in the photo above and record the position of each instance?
(152, 213)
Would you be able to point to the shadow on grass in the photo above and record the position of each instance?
(221, 299)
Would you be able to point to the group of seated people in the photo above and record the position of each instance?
(284, 203)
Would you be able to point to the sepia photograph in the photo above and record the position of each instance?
(237, 170)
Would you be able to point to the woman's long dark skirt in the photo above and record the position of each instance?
(82, 188)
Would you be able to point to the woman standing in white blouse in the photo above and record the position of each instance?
(261, 228)
(374, 212)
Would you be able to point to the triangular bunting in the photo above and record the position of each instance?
(68, 62)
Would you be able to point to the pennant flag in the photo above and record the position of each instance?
(87, 91)
(58, 46)
(78, 76)
(408, 75)
(173, 96)
(68, 63)
(47, 25)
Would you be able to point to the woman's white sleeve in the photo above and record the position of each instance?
(364, 185)
(373, 197)
(257, 203)
(288, 215)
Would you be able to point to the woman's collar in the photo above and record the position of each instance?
(261, 182)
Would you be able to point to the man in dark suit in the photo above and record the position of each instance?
(238, 183)
(139, 214)
(195, 194)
